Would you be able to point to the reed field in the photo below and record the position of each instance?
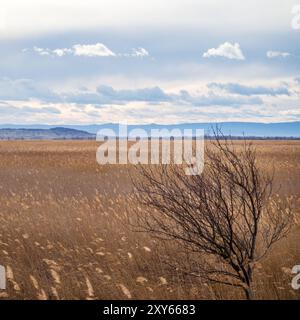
(64, 231)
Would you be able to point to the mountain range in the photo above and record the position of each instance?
(57, 133)
(236, 129)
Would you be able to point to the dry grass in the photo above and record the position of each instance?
(64, 232)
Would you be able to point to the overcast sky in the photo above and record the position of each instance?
(72, 62)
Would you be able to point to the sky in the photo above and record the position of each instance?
(159, 61)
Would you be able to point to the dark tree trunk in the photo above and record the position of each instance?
(249, 293)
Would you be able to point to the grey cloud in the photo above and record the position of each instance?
(147, 94)
(7, 109)
(248, 90)
(83, 97)
(25, 89)
(107, 95)
(212, 99)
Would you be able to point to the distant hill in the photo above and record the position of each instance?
(57, 133)
(237, 129)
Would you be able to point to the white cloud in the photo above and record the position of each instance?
(139, 52)
(48, 52)
(3, 19)
(40, 51)
(25, 18)
(62, 52)
(277, 54)
(92, 50)
(88, 50)
(226, 50)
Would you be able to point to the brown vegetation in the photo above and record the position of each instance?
(64, 231)
(226, 218)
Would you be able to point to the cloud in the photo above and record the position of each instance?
(226, 50)
(27, 109)
(212, 99)
(88, 50)
(6, 109)
(131, 15)
(146, 94)
(40, 51)
(62, 52)
(40, 100)
(25, 89)
(277, 54)
(92, 50)
(139, 52)
(248, 90)
(106, 95)
(48, 52)
(215, 102)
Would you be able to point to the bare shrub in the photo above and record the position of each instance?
(227, 216)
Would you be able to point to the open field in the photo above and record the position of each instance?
(64, 231)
